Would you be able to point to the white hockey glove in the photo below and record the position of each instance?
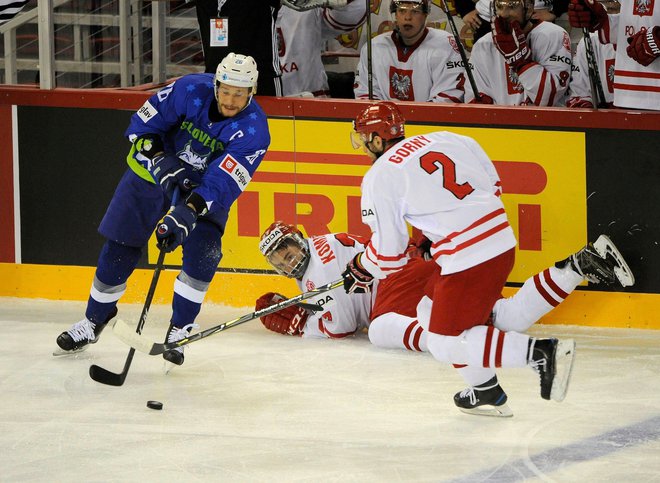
(304, 5)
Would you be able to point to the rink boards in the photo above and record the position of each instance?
(568, 175)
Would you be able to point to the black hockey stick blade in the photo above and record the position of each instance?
(109, 378)
(137, 341)
(312, 307)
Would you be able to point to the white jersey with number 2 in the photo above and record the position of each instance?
(443, 184)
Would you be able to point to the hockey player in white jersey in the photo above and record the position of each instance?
(302, 31)
(522, 61)
(635, 34)
(579, 88)
(445, 185)
(390, 312)
(412, 63)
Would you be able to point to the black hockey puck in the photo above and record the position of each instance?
(155, 405)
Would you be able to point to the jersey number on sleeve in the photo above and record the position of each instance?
(432, 161)
(349, 240)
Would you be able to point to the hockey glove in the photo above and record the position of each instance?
(588, 14)
(644, 46)
(303, 5)
(169, 172)
(175, 227)
(419, 248)
(290, 320)
(511, 41)
(356, 278)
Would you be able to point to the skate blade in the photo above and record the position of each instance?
(61, 352)
(604, 246)
(502, 411)
(167, 367)
(564, 361)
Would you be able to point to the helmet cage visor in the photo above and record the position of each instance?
(360, 140)
(290, 256)
(415, 6)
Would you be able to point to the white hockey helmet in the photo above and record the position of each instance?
(237, 70)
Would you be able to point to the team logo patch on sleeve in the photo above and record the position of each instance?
(147, 111)
(234, 169)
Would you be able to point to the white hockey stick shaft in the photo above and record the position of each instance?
(137, 341)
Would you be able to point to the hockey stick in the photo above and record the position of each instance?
(597, 93)
(312, 307)
(125, 333)
(370, 77)
(461, 50)
(104, 376)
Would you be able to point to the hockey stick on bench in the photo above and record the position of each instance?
(137, 341)
(596, 86)
(461, 50)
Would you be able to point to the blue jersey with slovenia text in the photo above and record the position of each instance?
(223, 153)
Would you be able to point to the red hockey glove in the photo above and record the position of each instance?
(644, 46)
(576, 102)
(356, 278)
(511, 41)
(483, 99)
(419, 248)
(588, 14)
(290, 320)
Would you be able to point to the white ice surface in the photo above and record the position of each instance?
(249, 405)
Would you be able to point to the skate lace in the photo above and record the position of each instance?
(176, 334)
(469, 392)
(82, 330)
(538, 365)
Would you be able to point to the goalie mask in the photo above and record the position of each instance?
(286, 249)
(238, 71)
(383, 119)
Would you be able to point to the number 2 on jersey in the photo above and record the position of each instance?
(433, 160)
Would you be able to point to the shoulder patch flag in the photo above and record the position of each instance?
(234, 169)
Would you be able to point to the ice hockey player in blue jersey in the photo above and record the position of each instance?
(202, 136)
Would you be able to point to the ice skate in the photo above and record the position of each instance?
(487, 399)
(80, 335)
(553, 360)
(607, 249)
(175, 356)
(601, 262)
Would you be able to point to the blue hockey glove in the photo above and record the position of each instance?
(356, 277)
(175, 227)
(169, 171)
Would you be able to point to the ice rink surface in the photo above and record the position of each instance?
(250, 405)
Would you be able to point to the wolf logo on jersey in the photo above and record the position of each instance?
(192, 158)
